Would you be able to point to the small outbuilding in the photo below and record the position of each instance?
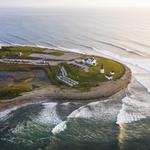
(112, 73)
(108, 77)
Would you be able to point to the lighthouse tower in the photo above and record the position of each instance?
(102, 70)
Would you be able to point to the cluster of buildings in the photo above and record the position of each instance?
(89, 61)
(108, 76)
(83, 64)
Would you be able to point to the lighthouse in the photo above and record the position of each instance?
(102, 70)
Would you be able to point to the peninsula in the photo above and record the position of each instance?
(30, 73)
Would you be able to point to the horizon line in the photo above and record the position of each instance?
(74, 6)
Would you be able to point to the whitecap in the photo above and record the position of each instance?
(59, 128)
(49, 114)
(100, 110)
(135, 106)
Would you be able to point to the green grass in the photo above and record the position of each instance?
(25, 67)
(57, 53)
(8, 52)
(88, 79)
(13, 90)
(109, 65)
(17, 67)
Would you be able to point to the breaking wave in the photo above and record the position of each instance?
(121, 47)
(59, 128)
(49, 114)
(22, 39)
(105, 111)
(135, 105)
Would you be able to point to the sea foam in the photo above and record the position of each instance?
(135, 106)
(59, 128)
(49, 114)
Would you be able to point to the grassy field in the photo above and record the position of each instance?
(16, 67)
(13, 90)
(91, 78)
(12, 52)
(57, 53)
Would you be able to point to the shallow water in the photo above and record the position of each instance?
(121, 34)
(31, 127)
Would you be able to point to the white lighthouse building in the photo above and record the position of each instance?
(90, 61)
(102, 70)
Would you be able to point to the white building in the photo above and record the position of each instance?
(20, 54)
(108, 77)
(90, 61)
(102, 71)
(112, 73)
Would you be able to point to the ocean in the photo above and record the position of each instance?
(117, 123)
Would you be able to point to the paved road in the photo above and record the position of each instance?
(31, 62)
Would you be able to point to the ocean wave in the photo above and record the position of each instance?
(139, 43)
(101, 110)
(135, 106)
(49, 44)
(3, 42)
(21, 38)
(49, 114)
(7, 111)
(128, 117)
(106, 111)
(70, 49)
(84, 46)
(59, 128)
(122, 47)
(119, 46)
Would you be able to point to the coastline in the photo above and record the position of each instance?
(104, 90)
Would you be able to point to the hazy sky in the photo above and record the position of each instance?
(75, 3)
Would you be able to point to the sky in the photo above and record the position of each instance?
(74, 3)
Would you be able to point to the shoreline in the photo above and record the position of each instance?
(105, 90)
